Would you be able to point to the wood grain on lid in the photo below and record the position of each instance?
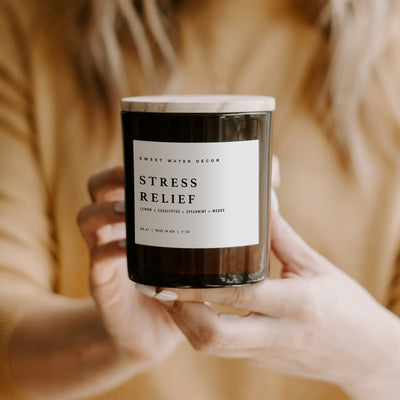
(198, 104)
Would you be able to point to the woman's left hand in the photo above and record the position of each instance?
(315, 322)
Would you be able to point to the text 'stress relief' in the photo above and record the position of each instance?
(196, 195)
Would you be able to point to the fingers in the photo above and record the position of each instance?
(103, 220)
(96, 216)
(297, 258)
(107, 185)
(225, 335)
(106, 261)
(112, 251)
(289, 247)
(275, 174)
(278, 297)
(270, 297)
(101, 223)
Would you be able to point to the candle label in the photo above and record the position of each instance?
(196, 195)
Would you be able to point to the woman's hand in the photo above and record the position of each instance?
(138, 325)
(315, 322)
(68, 348)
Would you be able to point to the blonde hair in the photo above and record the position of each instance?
(358, 34)
(99, 34)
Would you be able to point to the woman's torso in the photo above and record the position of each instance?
(354, 226)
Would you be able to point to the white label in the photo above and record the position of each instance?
(196, 195)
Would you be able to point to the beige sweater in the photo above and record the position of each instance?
(49, 147)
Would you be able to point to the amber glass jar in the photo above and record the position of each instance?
(197, 181)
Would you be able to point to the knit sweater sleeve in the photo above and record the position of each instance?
(27, 246)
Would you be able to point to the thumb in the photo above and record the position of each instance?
(296, 256)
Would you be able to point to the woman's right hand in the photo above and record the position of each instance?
(139, 326)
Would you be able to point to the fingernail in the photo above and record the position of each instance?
(166, 295)
(274, 201)
(119, 207)
(122, 243)
(150, 291)
(147, 290)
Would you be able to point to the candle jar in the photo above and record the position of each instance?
(197, 187)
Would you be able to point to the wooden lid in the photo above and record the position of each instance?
(199, 104)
